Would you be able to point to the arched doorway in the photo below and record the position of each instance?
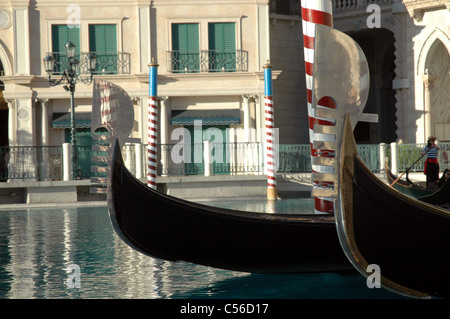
(378, 46)
(437, 64)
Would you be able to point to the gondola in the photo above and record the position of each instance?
(173, 229)
(441, 197)
(407, 187)
(408, 239)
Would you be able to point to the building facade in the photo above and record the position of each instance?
(211, 56)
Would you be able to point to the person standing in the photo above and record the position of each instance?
(431, 168)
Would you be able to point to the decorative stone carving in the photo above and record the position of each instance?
(417, 8)
(5, 19)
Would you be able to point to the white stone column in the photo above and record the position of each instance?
(45, 156)
(394, 158)
(21, 38)
(12, 123)
(12, 140)
(247, 136)
(382, 157)
(44, 121)
(207, 157)
(144, 35)
(247, 117)
(428, 81)
(164, 123)
(67, 165)
(139, 162)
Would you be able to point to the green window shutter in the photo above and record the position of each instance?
(222, 36)
(220, 165)
(222, 46)
(61, 34)
(103, 41)
(185, 47)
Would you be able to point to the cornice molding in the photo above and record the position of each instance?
(417, 8)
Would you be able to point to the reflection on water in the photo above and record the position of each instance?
(37, 246)
(285, 206)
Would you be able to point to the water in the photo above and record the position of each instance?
(38, 245)
(285, 206)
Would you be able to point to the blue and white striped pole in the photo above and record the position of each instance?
(152, 124)
(269, 123)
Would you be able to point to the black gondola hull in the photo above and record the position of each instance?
(408, 239)
(173, 229)
(409, 242)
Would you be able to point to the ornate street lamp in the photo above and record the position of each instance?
(71, 75)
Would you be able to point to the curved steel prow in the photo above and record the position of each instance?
(112, 119)
(340, 86)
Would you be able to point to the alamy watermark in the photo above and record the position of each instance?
(74, 18)
(374, 276)
(374, 20)
(74, 276)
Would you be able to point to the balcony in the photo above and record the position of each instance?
(292, 7)
(285, 7)
(207, 61)
(107, 62)
(357, 4)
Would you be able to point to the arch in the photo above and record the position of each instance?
(6, 62)
(436, 35)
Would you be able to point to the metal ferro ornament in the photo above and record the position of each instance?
(340, 77)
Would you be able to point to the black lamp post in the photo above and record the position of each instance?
(70, 75)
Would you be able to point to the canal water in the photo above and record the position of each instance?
(74, 253)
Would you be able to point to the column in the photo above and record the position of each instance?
(317, 12)
(428, 81)
(382, 157)
(152, 125)
(247, 148)
(45, 158)
(44, 121)
(21, 38)
(246, 109)
(164, 134)
(269, 124)
(12, 141)
(12, 136)
(394, 158)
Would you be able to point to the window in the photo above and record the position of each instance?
(61, 34)
(222, 47)
(217, 134)
(103, 42)
(185, 47)
(215, 51)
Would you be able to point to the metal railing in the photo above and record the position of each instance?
(357, 4)
(107, 62)
(287, 7)
(21, 163)
(293, 7)
(30, 162)
(207, 61)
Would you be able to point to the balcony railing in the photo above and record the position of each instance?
(286, 7)
(207, 61)
(20, 163)
(357, 4)
(107, 62)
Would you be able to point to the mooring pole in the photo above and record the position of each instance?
(316, 12)
(269, 154)
(152, 124)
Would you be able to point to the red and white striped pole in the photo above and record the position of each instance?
(317, 12)
(152, 124)
(269, 122)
